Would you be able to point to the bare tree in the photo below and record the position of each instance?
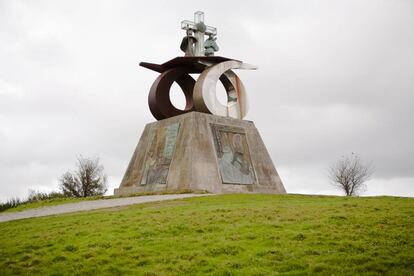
(350, 174)
(87, 180)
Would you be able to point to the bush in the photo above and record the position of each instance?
(38, 196)
(87, 180)
(33, 197)
(11, 203)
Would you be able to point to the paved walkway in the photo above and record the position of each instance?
(89, 205)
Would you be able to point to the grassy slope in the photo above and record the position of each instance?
(228, 234)
(47, 202)
(60, 201)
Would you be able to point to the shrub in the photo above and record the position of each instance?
(87, 180)
(13, 202)
(38, 196)
(34, 196)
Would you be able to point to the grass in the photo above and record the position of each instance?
(48, 202)
(59, 201)
(219, 235)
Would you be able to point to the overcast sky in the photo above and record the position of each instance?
(334, 77)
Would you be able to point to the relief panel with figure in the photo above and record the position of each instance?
(233, 155)
(160, 150)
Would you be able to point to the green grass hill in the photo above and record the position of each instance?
(219, 235)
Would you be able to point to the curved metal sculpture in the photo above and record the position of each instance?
(159, 97)
(205, 98)
(200, 95)
(199, 58)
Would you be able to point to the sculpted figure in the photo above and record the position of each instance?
(188, 44)
(210, 46)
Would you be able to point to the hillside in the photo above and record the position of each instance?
(225, 235)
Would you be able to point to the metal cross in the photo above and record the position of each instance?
(199, 29)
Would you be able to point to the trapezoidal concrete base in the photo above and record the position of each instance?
(201, 152)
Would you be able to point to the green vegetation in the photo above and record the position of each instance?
(16, 205)
(48, 202)
(35, 198)
(223, 235)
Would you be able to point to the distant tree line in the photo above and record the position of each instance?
(33, 197)
(88, 179)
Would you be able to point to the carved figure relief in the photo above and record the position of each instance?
(233, 155)
(160, 151)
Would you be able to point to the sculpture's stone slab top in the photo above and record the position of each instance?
(194, 64)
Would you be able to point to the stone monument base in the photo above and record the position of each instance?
(201, 152)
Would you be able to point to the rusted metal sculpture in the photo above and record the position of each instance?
(200, 95)
(198, 151)
(159, 96)
(205, 99)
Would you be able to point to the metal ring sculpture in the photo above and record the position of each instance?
(159, 97)
(205, 98)
(201, 94)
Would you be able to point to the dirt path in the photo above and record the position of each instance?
(89, 205)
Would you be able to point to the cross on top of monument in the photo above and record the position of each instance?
(196, 45)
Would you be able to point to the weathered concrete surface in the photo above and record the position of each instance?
(195, 163)
(90, 205)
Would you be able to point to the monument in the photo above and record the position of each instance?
(207, 146)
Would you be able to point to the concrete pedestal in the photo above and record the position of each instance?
(201, 152)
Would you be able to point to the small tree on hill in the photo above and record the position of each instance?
(350, 174)
(87, 180)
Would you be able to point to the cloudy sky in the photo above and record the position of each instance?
(334, 77)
